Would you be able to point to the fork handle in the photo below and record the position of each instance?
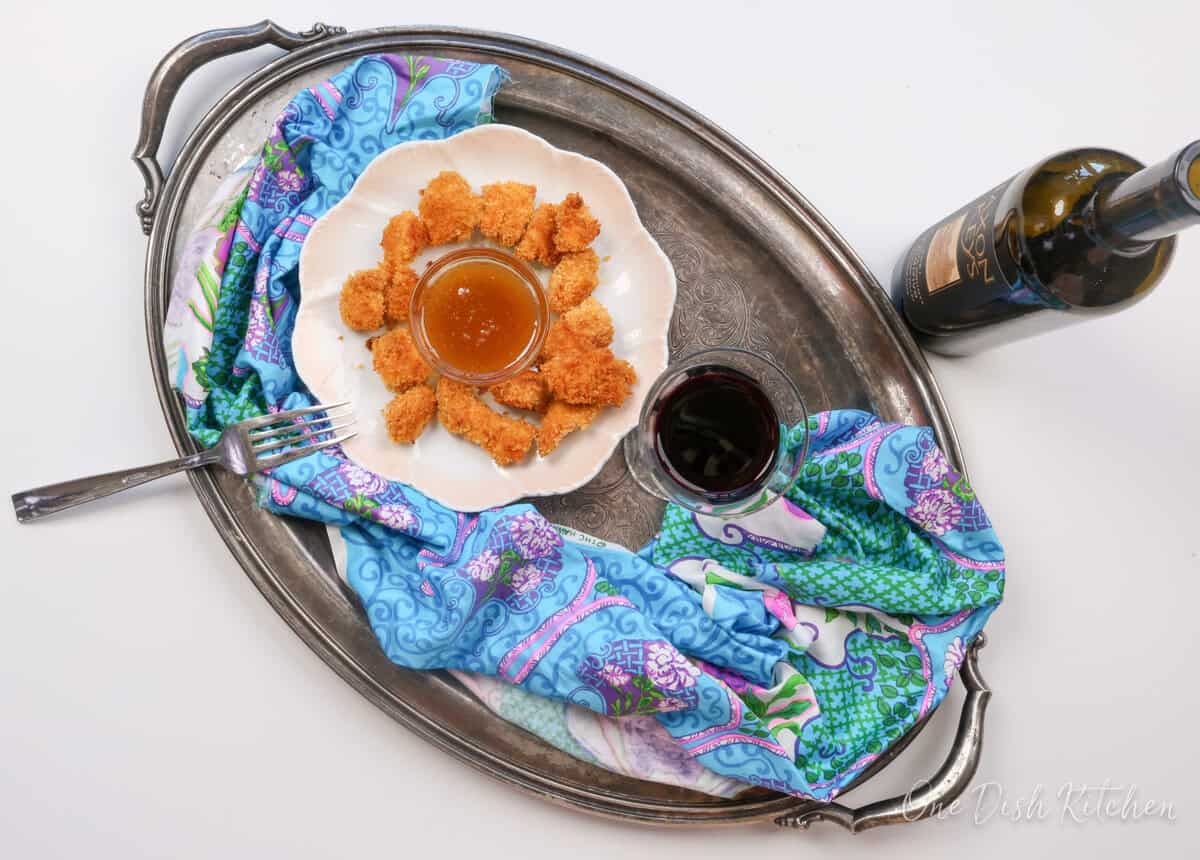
(52, 498)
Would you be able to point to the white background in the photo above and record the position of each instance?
(151, 704)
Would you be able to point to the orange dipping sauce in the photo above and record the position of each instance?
(479, 315)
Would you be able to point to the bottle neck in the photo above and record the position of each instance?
(1152, 204)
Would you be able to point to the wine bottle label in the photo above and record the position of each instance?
(1043, 249)
(958, 252)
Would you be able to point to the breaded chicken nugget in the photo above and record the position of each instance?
(589, 377)
(583, 327)
(590, 319)
(537, 245)
(403, 238)
(575, 226)
(561, 419)
(397, 361)
(573, 280)
(449, 209)
(507, 208)
(398, 294)
(361, 302)
(461, 412)
(561, 338)
(408, 413)
(526, 390)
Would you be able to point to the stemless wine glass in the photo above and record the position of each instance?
(649, 463)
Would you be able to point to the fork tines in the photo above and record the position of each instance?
(306, 429)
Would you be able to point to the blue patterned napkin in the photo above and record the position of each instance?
(768, 658)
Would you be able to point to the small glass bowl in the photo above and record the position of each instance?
(781, 390)
(416, 316)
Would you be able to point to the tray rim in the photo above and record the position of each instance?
(330, 44)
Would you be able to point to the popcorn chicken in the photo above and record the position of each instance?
(403, 238)
(589, 377)
(507, 208)
(460, 411)
(397, 295)
(575, 226)
(361, 302)
(579, 329)
(573, 280)
(449, 209)
(526, 390)
(537, 245)
(397, 361)
(561, 419)
(591, 320)
(560, 339)
(409, 412)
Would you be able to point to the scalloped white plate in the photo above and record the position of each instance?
(637, 285)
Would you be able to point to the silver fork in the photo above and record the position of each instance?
(240, 450)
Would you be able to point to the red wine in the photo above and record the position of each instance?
(1080, 235)
(716, 434)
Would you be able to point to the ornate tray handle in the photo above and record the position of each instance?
(173, 70)
(934, 794)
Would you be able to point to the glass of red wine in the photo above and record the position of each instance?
(723, 432)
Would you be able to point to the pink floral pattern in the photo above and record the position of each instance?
(937, 511)
(670, 704)
(533, 536)
(289, 180)
(935, 465)
(526, 578)
(361, 480)
(517, 564)
(258, 325)
(614, 675)
(954, 657)
(668, 669)
(396, 516)
(631, 676)
(483, 566)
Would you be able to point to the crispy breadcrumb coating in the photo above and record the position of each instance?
(403, 238)
(397, 361)
(591, 320)
(460, 411)
(397, 296)
(361, 302)
(573, 280)
(561, 419)
(561, 338)
(589, 377)
(449, 209)
(526, 390)
(575, 226)
(408, 413)
(537, 245)
(507, 208)
(579, 329)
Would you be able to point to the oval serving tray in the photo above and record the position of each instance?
(757, 267)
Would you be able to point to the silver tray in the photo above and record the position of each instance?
(757, 267)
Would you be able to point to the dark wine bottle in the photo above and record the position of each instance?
(1084, 233)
